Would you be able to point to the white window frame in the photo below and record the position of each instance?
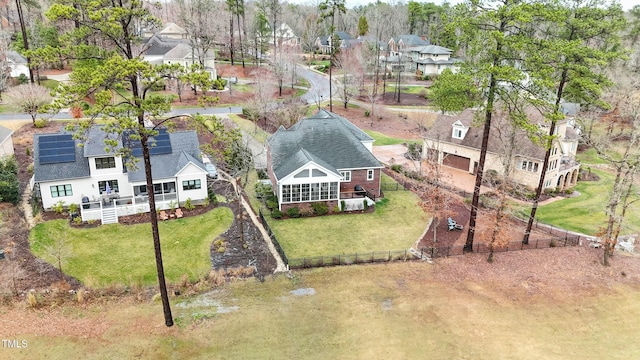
(457, 133)
(346, 176)
(371, 174)
(61, 190)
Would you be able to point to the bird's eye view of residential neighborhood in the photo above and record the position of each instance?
(305, 179)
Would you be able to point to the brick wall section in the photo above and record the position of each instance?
(331, 204)
(359, 177)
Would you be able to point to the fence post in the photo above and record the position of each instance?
(536, 243)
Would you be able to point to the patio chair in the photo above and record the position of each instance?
(163, 215)
(453, 225)
(179, 213)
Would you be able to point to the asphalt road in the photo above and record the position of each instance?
(318, 85)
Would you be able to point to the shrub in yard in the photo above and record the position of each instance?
(343, 204)
(188, 204)
(262, 174)
(336, 209)
(9, 183)
(32, 300)
(276, 214)
(272, 202)
(367, 113)
(397, 168)
(365, 204)
(293, 212)
(212, 196)
(306, 210)
(58, 208)
(320, 208)
(40, 123)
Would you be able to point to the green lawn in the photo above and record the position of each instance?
(382, 139)
(396, 225)
(50, 84)
(119, 254)
(590, 157)
(410, 89)
(585, 213)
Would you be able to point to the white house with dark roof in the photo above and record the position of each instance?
(184, 55)
(433, 59)
(323, 158)
(86, 174)
(6, 142)
(456, 141)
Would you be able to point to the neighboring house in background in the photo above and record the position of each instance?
(88, 175)
(323, 158)
(432, 59)
(324, 43)
(456, 142)
(399, 44)
(162, 49)
(184, 55)
(285, 36)
(156, 47)
(170, 31)
(17, 63)
(6, 142)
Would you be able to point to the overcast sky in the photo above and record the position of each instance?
(626, 4)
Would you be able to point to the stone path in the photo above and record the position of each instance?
(26, 207)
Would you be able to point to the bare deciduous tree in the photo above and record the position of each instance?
(29, 98)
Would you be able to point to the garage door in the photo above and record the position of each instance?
(456, 161)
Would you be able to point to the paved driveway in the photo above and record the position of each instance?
(394, 154)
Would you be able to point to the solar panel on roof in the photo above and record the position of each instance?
(53, 149)
(158, 145)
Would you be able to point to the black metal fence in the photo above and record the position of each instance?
(455, 250)
(352, 259)
(274, 240)
(394, 186)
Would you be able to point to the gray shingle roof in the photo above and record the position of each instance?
(180, 51)
(59, 171)
(431, 49)
(157, 45)
(325, 138)
(411, 40)
(15, 57)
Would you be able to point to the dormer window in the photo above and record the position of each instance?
(459, 130)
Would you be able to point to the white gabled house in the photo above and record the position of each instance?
(68, 172)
